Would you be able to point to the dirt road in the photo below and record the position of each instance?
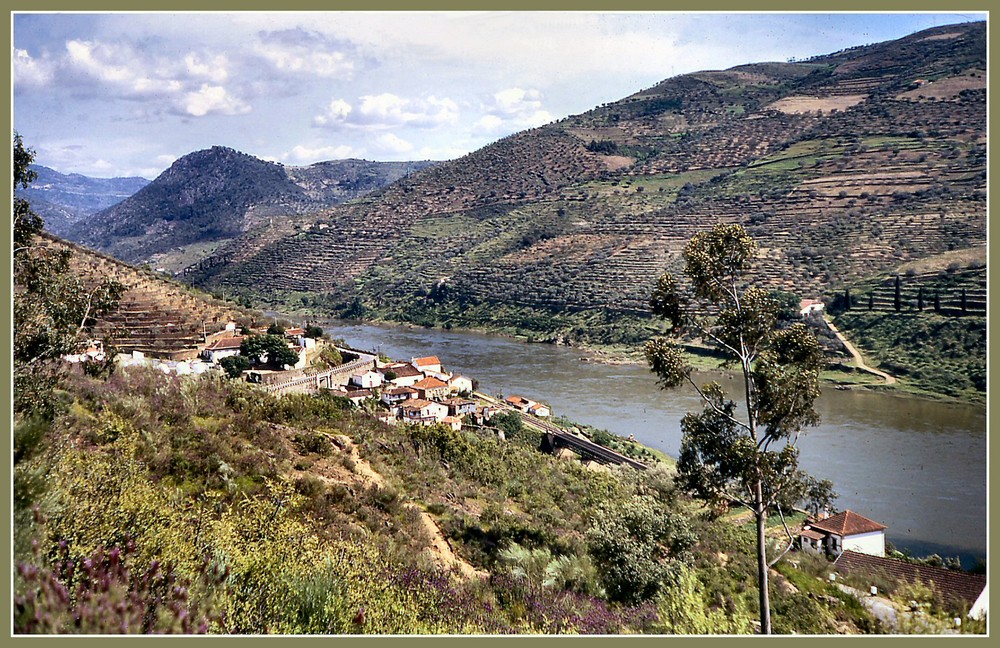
(858, 359)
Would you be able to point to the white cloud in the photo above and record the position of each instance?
(393, 144)
(215, 69)
(30, 71)
(336, 113)
(98, 61)
(213, 99)
(304, 155)
(387, 110)
(303, 52)
(512, 109)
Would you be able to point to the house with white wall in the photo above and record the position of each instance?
(422, 411)
(222, 348)
(846, 531)
(428, 363)
(367, 379)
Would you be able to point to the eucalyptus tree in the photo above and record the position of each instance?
(737, 452)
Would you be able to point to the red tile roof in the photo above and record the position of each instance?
(225, 343)
(402, 370)
(294, 331)
(812, 535)
(958, 586)
(429, 360)
(847, 523)
(430, 383)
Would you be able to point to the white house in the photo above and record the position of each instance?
(222, 348)
(846, 531)
(403, 374)
(809, 306)
(429, 363)
(367, 380)
(959, 590)
(538, 409)
(422, 411)
(395, 395)
(460, 385)
(359, 396)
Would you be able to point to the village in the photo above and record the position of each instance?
(421, 391)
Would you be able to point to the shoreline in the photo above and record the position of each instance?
(619, 356)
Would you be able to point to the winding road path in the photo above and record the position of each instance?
(858, 359)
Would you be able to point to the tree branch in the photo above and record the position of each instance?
(715, 407)
(791, 540)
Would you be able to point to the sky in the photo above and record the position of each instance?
(126, 94)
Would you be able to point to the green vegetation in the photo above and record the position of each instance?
(727, 455)
(928, 329)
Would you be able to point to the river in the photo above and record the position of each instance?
(915, 465)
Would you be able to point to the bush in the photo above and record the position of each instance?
(633, 545)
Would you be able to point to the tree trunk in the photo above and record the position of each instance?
(760, 513)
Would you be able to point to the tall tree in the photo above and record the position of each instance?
(737, 453)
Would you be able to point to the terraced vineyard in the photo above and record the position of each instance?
(928, 328)
(842, 166)
(161, 318)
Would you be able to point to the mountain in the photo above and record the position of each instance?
(218, 193)
(65, 199)
(841, 166)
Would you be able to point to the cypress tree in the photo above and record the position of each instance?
(965, 304)
(897, 298)
(871, 300)
(920, 299)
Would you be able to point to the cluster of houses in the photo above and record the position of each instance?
(857, 546)
(419, 391)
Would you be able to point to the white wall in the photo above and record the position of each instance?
(872, 543)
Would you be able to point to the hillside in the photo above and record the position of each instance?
(841, 166)
(155, 315)
(64, 199)
(216, 194)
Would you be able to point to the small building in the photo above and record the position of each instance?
(367, 379)
(539, 410)
(396, 395)
(958, 589)
(453, 422)
(429, 363)
(460, 385)
(359, 396)
(423, 411)
(809, 306)
(520, 403)
(460, 406)
(223, 348)
(431, 388)
(847, 531)
(403, 374)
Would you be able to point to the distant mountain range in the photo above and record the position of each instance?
(62, 199)
(209, 196)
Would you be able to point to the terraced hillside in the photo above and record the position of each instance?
(159, 317)
(926, 324)
(841, 166)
